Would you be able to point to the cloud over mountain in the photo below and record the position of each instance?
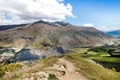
(25, 11)
(88, 25)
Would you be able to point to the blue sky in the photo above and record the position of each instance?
(103, 14)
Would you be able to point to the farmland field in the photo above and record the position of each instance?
(101, 56)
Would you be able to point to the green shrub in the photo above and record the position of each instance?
(44, 42)
(92, 79)
(2, 73)
(9, 68)
(6, 50)
(15, 76)
(13, 67)
(52, 77)
(113, 69)
(85, 53)
(48, 61)
(2, 70)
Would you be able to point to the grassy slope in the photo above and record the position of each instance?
(101, 57)
(92, 70)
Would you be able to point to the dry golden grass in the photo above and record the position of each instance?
(27, 71)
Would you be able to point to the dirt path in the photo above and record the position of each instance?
(68, 69)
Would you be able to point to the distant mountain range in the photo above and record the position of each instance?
(53, 34)
(6, 27)
(115, 33)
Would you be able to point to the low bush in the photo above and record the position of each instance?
(52, 77)
(15, 76)
(9, 68)
(13, 67)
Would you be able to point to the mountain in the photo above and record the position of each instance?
(6, 27)
(49, 34)
(115, 33)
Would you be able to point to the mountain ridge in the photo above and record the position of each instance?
(56, 34)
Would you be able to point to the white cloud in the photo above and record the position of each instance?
(88, 25)
(25, 11)
(109, 28)
(104, 28)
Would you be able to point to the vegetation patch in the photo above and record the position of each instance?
(48, 61)
(6, 50)
(101, 56)
(9, 68)
(52, 77)
(14, 76)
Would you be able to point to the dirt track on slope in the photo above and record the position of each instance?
(70, 71)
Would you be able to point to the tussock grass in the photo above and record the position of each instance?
(48, 61)
(9, 68)
(26, 72)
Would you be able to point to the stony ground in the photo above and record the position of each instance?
(63, 70)
(68, 69)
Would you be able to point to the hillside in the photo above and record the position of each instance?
(54, 34)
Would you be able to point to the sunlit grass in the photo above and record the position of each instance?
(107, 59)
(98, 56)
